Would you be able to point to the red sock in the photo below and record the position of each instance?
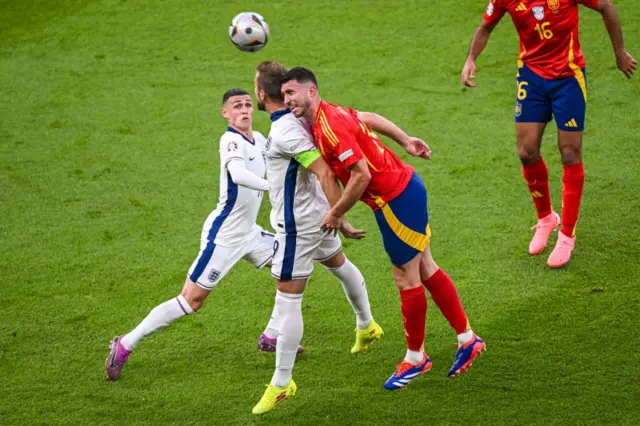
(537, 178)
(444, 293)
(414, 313)
(572, 183)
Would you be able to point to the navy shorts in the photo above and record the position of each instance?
(537, 99)
(404, 223)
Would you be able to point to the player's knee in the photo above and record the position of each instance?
(195, 299)
(194, 302)
(528, 155)
(570, 155)
(404, 280)
(428, 267)
(335, 261)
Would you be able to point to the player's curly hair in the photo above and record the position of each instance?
(270, 74)
(301, 75)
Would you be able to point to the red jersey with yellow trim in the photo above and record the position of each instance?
(548, 31)
(344, 140)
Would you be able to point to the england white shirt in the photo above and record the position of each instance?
(296, 197)
(233, 220)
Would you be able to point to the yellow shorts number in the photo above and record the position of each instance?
(522, 92)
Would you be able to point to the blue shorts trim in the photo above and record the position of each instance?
(403, 223)
(538, 99)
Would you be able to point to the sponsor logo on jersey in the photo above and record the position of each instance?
(538, 12)
(521, 7)
(553, 4)
(490, 9)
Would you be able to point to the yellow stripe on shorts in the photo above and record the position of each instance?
(407, 235)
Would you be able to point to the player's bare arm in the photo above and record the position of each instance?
(414, 146)
(626, 63)
(332, 191)
(358, 182)
(478, 43)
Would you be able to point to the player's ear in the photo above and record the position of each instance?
(223, 112)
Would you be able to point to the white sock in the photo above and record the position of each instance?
(465, 337)
(356, 291)
(290, 311)
(274, 323)
(414, 357)
(160, 317)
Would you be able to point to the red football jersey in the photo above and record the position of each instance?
(548, 31)
(344, 140)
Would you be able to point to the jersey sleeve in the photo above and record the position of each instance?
(593, 4)
(296, 141)
(230, 148)
(494, 13)
(341, 135)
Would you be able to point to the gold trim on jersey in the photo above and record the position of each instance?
(407, 235)
(577, 70)
(326, 129)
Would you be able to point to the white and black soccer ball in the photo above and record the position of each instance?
(249, 32)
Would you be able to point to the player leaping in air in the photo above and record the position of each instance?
(229, 235)
(371, 172)
(300, 182)
(551, 81)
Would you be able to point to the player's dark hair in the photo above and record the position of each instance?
(270, 75)
(233, 92)
(301, 75)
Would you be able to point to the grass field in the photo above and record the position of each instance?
(109, 126)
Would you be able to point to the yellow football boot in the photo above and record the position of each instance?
(367, 337)
(273, 395)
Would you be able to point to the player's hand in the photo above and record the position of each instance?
(350, 232)
(468, 74)
(626, 63)
(417, 148)
(331, 223)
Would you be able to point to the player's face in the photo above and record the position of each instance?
(260, 95)
(296, 96)
(239, 112)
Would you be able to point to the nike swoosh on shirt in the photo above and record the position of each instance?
(252, 158)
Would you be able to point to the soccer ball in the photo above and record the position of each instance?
(249, 32)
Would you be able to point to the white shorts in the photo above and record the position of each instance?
(294, 255)
(215, 261)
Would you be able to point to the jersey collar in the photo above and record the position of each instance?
(320, 106)
(232, 130)
(275, 116)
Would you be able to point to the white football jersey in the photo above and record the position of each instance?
(295, 193)
(232, 221)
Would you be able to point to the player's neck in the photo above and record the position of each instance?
(312, 111)
(272, 107)
(247, 133)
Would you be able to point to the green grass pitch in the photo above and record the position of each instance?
(109, 125)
